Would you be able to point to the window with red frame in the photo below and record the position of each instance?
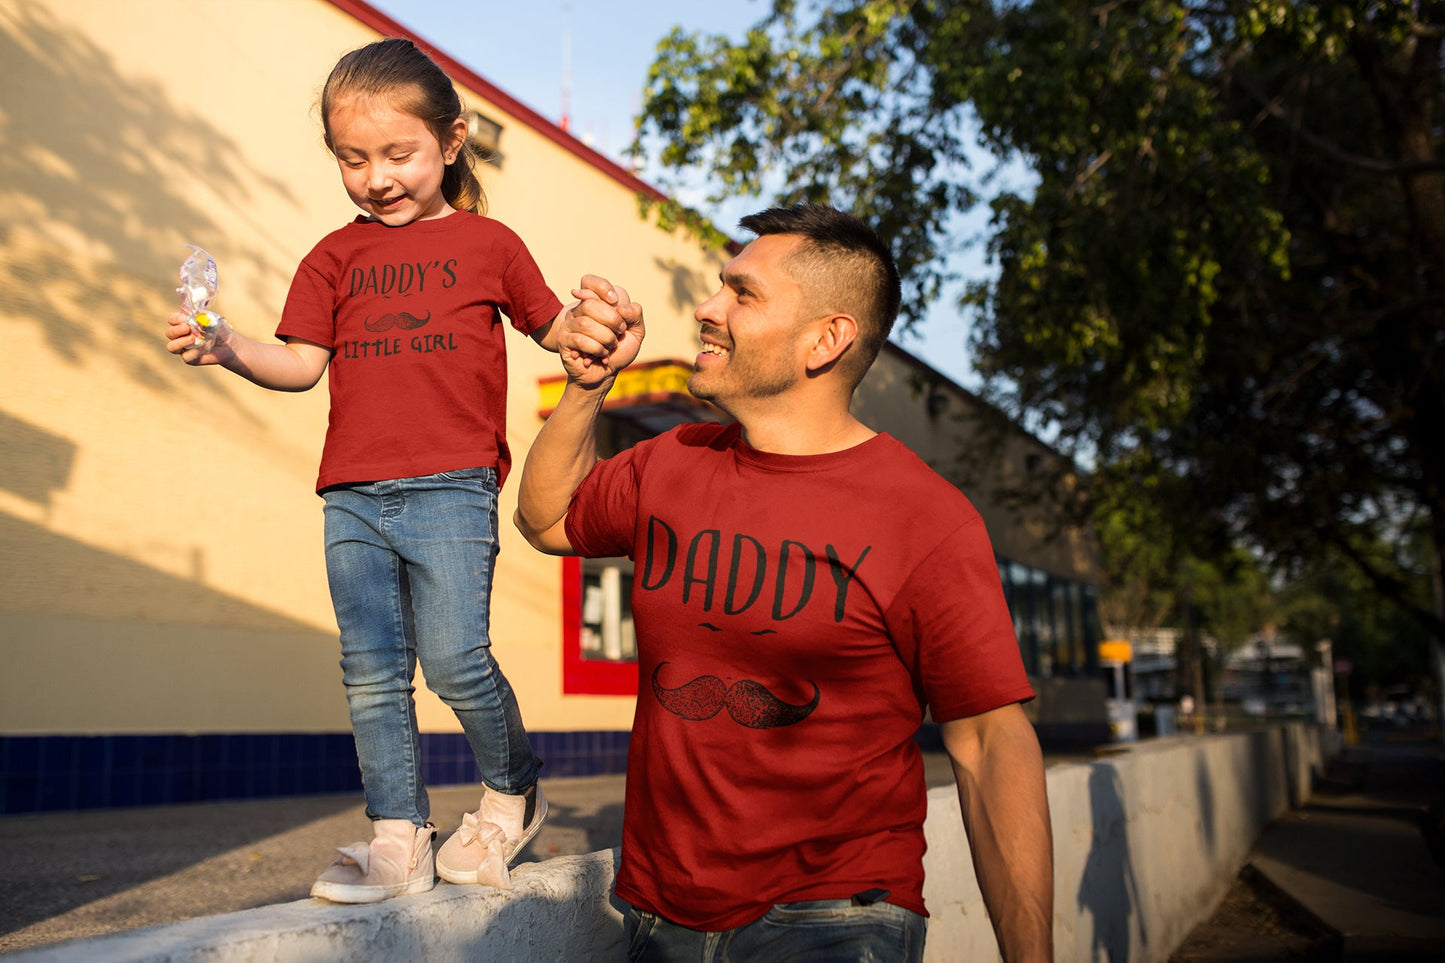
(599, 646)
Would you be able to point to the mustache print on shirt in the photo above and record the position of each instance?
(401, 319)
(749, 703)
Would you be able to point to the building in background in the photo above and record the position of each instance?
(165, 625)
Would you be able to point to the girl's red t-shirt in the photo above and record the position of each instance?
(414, 316)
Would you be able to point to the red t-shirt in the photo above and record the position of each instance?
(794, 616)
(413, 317)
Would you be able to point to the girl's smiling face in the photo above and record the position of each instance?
(391, 163)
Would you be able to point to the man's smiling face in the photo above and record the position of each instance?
(751, 328)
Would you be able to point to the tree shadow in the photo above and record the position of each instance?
(39, 461)
(105, 171)
(689, 289)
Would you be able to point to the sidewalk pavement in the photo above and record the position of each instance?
(1357, 874)
(1356, 861)
(1367, 856)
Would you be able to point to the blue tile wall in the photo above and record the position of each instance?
(50, 773)
(447, 760)
(57, 773)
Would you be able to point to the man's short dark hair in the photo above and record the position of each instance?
(844, 266)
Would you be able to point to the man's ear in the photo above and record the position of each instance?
(836, 333)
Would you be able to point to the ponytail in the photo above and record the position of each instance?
(460, 185)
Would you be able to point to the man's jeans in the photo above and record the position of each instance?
(410, 565)
(815, 931)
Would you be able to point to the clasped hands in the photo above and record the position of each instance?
(600, 334)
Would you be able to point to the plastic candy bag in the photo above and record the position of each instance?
(199, 281)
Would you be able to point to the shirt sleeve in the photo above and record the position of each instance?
(602, 517)
(310, 311)
(953, 629)
(530, 303)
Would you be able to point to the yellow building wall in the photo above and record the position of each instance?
(160, 542)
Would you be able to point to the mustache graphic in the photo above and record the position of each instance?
(401, 320)
(749, 703)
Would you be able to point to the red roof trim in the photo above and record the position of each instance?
(470, 79)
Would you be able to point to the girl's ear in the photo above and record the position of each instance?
(834, 337)
(456, 137)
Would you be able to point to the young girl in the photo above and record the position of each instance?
(404, 306)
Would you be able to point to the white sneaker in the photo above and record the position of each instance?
(397, 861)
(489, 839)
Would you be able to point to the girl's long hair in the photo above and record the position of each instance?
(410, 81)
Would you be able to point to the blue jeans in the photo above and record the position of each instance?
(815, 931)
(410, 565)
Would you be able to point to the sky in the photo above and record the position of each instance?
(589, 58)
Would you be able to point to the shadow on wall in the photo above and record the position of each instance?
(689, 289)
(38, 463)
(111, 587)
(1205, 788)
(1108, 879)
(97, 214)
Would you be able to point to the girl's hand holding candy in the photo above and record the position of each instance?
(199, 282)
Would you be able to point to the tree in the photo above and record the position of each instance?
(1139, 561)
(1229, 277)
(1329, 598)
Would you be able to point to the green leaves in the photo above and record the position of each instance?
(828, 111)
(1229, 270)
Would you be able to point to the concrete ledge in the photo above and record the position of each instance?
(1146, 843)
(557, 910)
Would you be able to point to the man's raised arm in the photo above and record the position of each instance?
(596, 338)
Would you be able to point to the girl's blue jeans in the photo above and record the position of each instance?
(410, 564)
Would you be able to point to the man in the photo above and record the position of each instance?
(804, 587)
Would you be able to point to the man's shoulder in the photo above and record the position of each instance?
(907, 467)
(912, 494)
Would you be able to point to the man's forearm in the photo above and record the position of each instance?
(562, 454)
(596, 337)
(1002, 791)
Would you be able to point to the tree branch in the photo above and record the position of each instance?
(1272, 107)
(1389, 586)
